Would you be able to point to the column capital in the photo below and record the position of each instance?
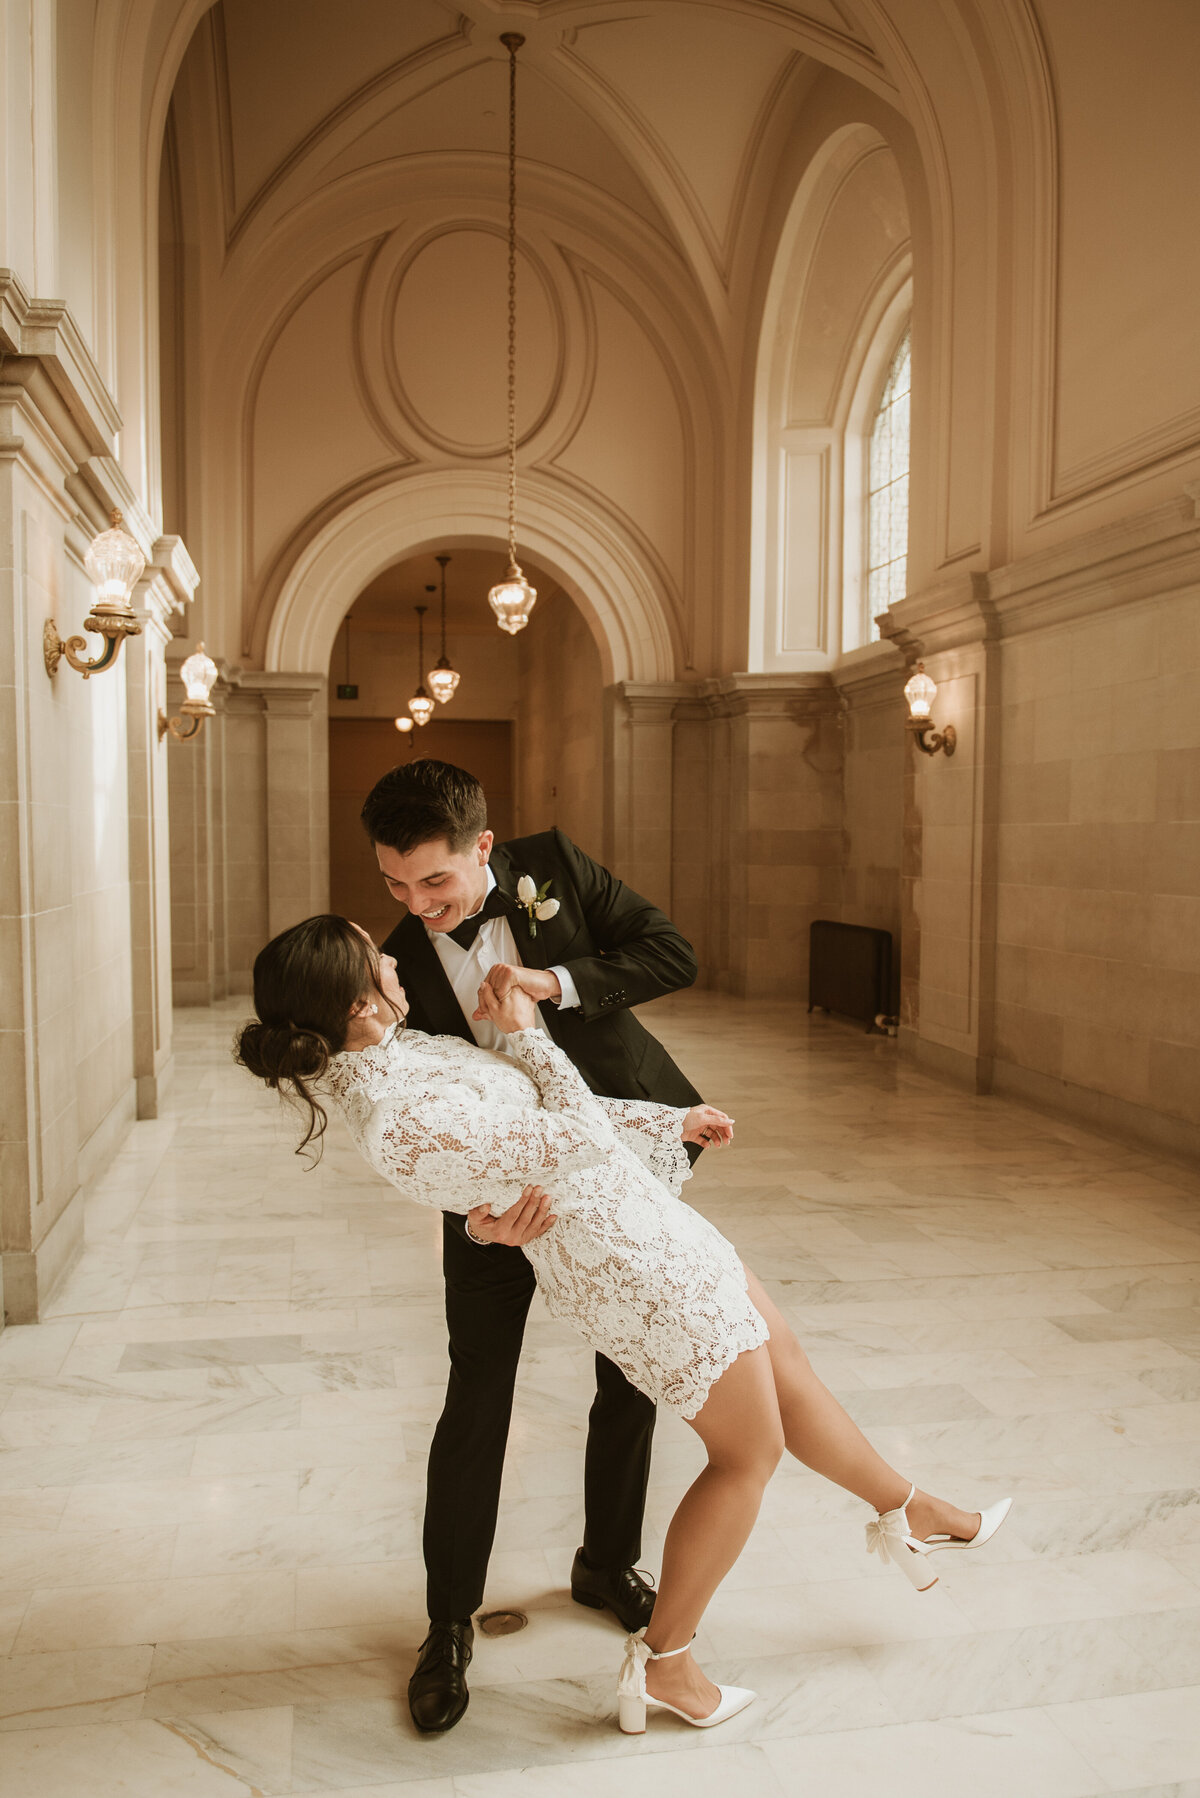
(799, 697)
(283, 694)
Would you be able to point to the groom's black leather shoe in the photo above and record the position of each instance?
(437, 1691)
(623, 1591)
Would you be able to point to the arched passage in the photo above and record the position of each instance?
(527, 716)
(610, 579)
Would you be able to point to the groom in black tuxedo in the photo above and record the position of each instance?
(596, 949)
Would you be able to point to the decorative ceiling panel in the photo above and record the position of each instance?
(292, 62)
(694, 84)
(466, 109)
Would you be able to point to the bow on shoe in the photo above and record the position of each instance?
(631, 1681)
(888, 1534)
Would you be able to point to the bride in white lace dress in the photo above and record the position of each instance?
(647, 1281)
(644, 1278)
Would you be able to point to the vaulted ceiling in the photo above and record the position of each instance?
(663, 107)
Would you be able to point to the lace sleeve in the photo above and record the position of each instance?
(558, 1080)
(652, 1132)
(455, 1157)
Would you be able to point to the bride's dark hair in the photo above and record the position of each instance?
(306, 983)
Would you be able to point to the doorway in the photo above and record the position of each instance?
(363, 749)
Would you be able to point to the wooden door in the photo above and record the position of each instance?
(363, 749)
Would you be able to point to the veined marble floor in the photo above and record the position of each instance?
(213, 1482)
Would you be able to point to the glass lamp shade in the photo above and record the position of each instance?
(114, 564)
(512, 601)
(443, 680)
(920, 693)
(421, 706)
(403, 723)
(199, 674)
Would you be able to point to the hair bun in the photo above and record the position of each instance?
(276, 1052)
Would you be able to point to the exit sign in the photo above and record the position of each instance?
(347, 692)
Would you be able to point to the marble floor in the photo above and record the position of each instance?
(212, 1486)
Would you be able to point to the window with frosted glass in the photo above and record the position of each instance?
(887, 487)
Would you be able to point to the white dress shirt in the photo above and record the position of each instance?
(466, 970)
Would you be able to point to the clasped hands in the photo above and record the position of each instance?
(508, 997)
(505, 987)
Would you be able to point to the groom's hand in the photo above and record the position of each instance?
(537, 982)
(531, 1216)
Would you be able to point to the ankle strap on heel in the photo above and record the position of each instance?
(632, 1681)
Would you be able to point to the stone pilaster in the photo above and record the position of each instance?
(297, 793)
(639, 731)
(950, 824)
(168, 585)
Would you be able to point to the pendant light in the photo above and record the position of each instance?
(443, 679)
(512, 601)
(420, 705)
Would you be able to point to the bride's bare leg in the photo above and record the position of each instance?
(818, 1432)
(740, 1427)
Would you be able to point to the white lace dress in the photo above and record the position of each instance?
(643, 1277)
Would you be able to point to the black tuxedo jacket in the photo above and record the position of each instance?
(618, 948)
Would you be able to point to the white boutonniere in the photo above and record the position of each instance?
(538, 908)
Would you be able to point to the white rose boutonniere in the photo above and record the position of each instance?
(538, 908)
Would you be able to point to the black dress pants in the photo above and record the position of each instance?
(488, 1290)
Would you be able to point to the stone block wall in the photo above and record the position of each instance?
(560, 732)
(1098, 898)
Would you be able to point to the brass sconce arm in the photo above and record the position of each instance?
(115, 565)
(920, 692)
(195, 712)
(940, 739)
(199, 676)
(114, 627)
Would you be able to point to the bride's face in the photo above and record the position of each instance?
(389, 985)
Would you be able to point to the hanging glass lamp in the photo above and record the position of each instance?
(513, 598)
(443, 679)
(420, 705)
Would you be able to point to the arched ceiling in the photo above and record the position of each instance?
(663, 106)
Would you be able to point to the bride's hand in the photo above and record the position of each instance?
(705, 1125)
(515, 1011)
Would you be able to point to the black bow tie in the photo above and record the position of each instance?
(494, 906)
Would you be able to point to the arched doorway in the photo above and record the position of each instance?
(526, 719)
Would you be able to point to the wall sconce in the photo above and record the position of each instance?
(198, 675)
(404, 724)
(920, 693)
(114, 563)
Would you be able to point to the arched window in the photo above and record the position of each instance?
(887, 486)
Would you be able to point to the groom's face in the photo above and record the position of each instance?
(441, 885)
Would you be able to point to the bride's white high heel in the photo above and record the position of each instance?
(633, 1700)
(889, 1536)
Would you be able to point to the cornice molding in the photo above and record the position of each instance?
(799, 697)
(171, 562)
(45, 332)
(1133, 560)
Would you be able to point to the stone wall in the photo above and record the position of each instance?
(85, 1043)
(1098, 918)
(560, 726)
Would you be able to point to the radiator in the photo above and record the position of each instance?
(850, 970)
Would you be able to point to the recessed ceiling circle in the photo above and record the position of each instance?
(444, 340)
